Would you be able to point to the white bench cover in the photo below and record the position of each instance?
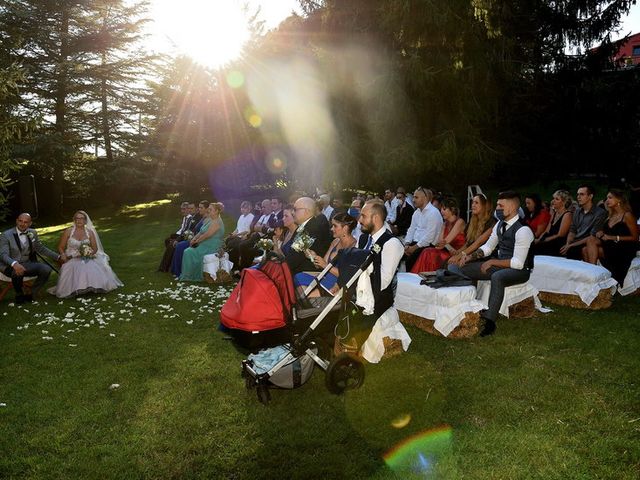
(4, 278)
(632, 280)
(445, 306)
(571, 277)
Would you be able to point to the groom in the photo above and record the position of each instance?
(18, 248)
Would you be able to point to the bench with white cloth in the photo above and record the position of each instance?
(520, 294)
(445, 307)
(631, 281)
(387, 325)
(560, 277)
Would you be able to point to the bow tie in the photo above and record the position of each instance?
(22, 233)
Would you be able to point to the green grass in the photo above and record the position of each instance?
(554, 396)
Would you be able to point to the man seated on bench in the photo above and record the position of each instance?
(510, 265)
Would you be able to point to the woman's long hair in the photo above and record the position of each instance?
(622, 198)
(477, 223)
(537, 206)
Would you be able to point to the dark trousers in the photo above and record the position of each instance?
(500, 279)
(169, 248)
(409, 260)
(232, 246)
(575, 253)
(33, 269)
(248, 251)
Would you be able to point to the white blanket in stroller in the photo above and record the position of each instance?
(388, 325)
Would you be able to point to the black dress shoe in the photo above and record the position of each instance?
(28, 298)
(489, 327)
(20, 299)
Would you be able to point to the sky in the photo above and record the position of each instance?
(213, 31)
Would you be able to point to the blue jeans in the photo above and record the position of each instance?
(501, 278)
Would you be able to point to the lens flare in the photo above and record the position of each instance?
(235, 79)
(255, 120)
(401, 421)
(420, 452)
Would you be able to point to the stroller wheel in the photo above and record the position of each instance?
(345, 372)
(263, 394)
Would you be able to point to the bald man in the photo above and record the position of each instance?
(316, 225)
(18, 248)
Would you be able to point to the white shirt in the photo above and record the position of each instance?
(426, 226)
(183, 226)
(392, 252)
(244, 223)
(327, 211)
(524, 238)
(392, 206)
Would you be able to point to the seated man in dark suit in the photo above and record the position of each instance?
(404, 214)
(316, 226)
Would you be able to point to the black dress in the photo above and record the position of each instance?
(552, 247)
(618, 255)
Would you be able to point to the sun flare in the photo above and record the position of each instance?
(210, 32)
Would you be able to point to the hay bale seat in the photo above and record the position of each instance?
(573, 283)
(6, 285)
(602, 301)
(392, 348)
(520, 301)
(221, 277)
(438, 311)
(467, 328)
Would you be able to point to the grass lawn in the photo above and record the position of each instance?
(554, 396)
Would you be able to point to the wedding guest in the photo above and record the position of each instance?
(87, 269)
(404, 214)
(181, 246)
(616, 243)
(587, 220)
(426, 225)
(354, 211)
(310, 224)
(504, 259)
(555, 235)
(478, 230)
(535, 215)
(391, 203)
(325, 205)
(451, 239)
(342, 226)
(208, 240)
(284, 233)
(243, 228)
(171, 241)
(263, 228)
(18, 249)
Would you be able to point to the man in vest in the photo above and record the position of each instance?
(388, 252)
(510, 264)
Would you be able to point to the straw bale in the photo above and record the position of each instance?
(222, 277)
(392, 347)
(524, 309)
(469, 326)
(602, 301)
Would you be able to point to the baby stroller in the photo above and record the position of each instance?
(290, 364)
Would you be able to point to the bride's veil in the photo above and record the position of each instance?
(100, 254)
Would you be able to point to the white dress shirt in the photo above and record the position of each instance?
(392, 206)
(327, 211)
(392, 252)
(524, 238)
(183, 226)
(426, 226)
(244, 223)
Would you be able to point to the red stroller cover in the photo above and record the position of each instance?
(262, 300)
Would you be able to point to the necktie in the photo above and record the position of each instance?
(369, 242)
(503, 227)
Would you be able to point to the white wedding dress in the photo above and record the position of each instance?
(78, 275)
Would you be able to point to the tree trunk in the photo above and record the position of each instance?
(60, 154)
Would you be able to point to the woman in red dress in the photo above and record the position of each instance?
(451, 239)
(536, 216)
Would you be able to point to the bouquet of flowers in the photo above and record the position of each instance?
(188, 235)
(302, 242)
(86, 252)
(265, 244)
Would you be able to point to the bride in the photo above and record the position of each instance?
(87, 268)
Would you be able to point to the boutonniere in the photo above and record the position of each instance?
(30, 235)
(376, 248)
